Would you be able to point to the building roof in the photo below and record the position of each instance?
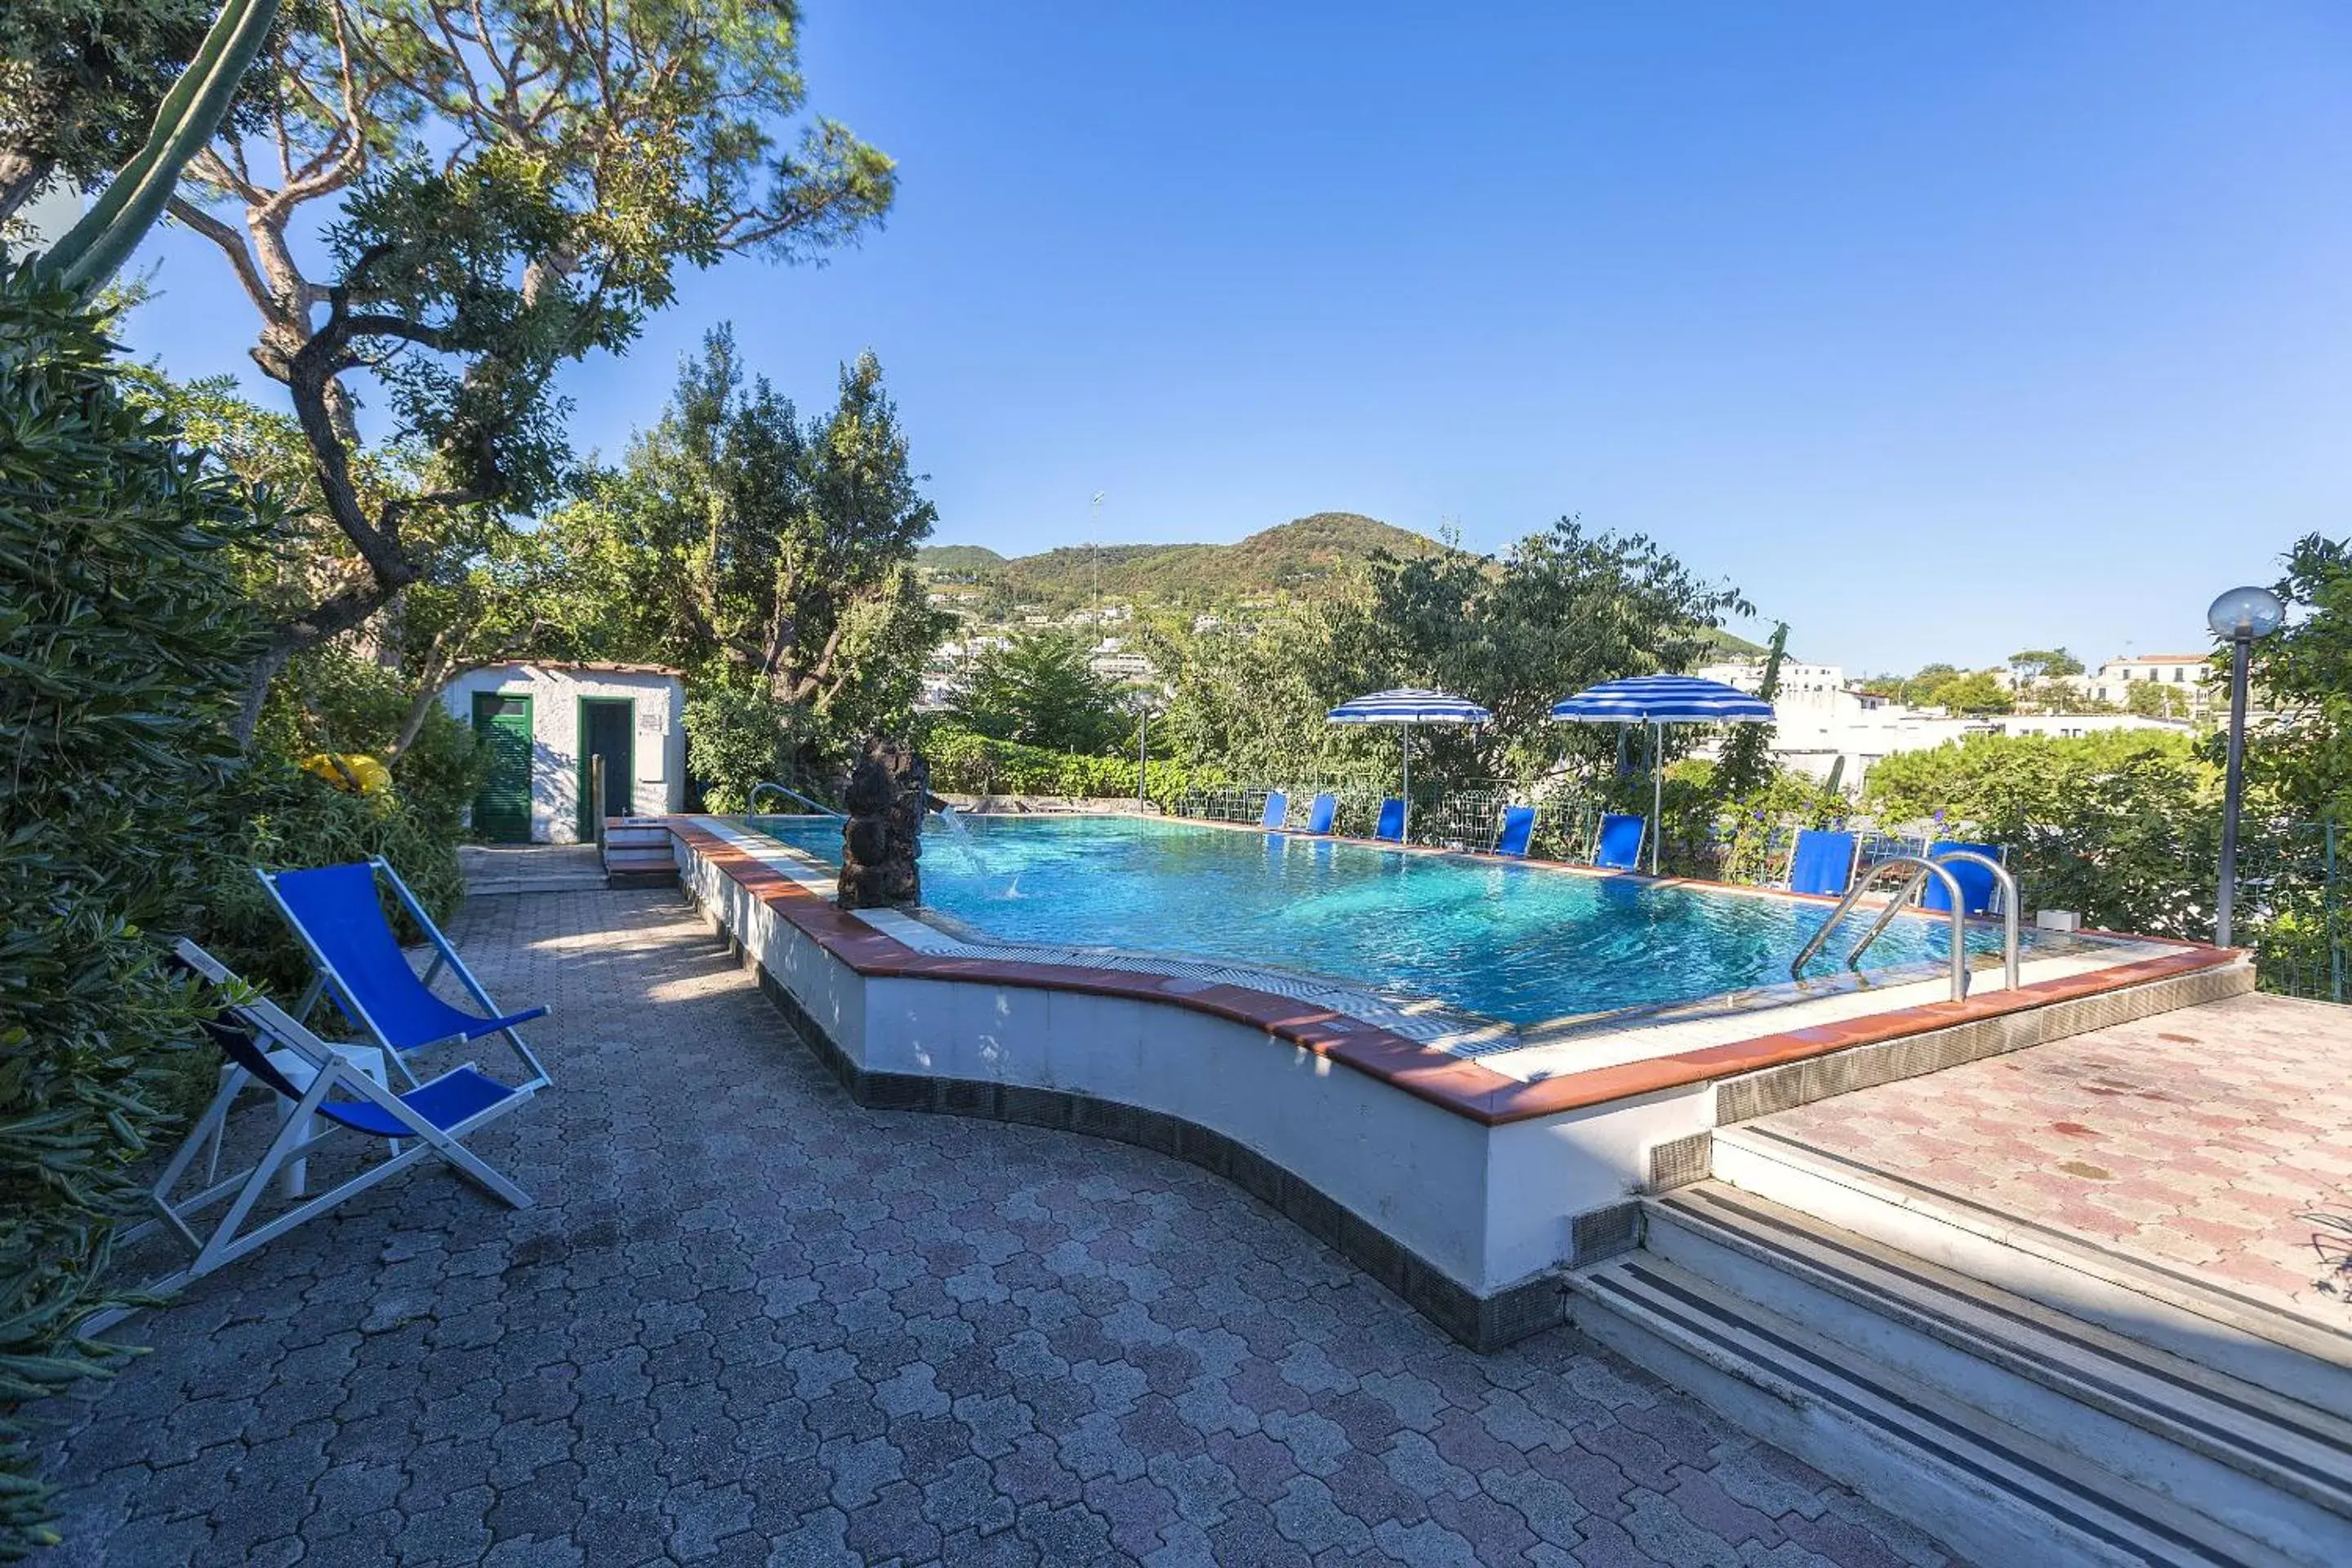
(2164, 658)
(598, 665)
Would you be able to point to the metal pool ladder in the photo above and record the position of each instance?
(1922, 868)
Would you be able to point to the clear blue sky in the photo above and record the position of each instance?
(1941, 331)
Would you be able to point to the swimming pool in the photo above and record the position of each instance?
(1523, 944)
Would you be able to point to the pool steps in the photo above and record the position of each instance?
(2021, 1405)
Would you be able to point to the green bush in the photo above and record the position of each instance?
(122, 642)
(287, 819)
(965, 763)
(328, 699)
(738, 739)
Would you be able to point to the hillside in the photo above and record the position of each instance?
(1293, 558)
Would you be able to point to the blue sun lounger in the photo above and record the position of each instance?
(1518, 828)
(1391, 826)
(1277, 806)
(1976, 884)
(262, 1045)
(1322, 812)
(1618, 846)
(336, 913)
(1823, 861)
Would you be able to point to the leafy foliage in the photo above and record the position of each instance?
(736, 739)
(1747, 758)
(2123, 826)
(1038, 689)
(499, 188)
(121, 633)
(760, 552)
(964, 762)
(1563, 610)
(2305, 670)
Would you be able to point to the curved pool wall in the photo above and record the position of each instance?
(1463, 1189)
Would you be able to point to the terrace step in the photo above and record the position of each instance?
(638, 854)
(2264, 1467)
(2192, 1318)
(1988, 1489)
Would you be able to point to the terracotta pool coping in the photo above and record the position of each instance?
(1463, 1087)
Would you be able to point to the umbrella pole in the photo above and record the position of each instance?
(1404, 741)
(1657, 792)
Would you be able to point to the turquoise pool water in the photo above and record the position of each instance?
(1516, 942)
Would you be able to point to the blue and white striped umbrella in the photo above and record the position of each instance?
(1663, 699)
(1408, 706)
(1659, 700)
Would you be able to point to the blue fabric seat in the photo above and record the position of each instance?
(1618, 846)
(1277, 807)
(1823, 861)
(1518, 829)
(1977, 882)
(1391, 826)
(337, 913)
(428, 1121)
(1322, 812)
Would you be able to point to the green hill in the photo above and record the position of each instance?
(1292, 558)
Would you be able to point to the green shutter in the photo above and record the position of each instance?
(502, 726)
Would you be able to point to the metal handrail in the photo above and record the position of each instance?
(752, 805)
(2008, 908)
(1925, 868)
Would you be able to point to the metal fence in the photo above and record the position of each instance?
(2291, 905)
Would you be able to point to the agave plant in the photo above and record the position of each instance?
(97, 247)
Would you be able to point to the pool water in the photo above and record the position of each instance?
(1521, 944)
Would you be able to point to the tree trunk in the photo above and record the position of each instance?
(21, 179)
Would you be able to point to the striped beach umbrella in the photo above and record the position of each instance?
(1407, 706)
(1658, 700)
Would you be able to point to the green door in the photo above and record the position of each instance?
(608, 728)
(502, 726)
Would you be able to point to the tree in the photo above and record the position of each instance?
(80, 82)
(1979, 693)
(1039, 689)
(2155, 700)
(1919, 691)
(1562, 610)
(499, 188)
(123, 631)
(757, 552)
(1746, 763)
(2304, 672)
(2035, 664)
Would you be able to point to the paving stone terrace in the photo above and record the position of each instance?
(2217, 1140)
(749, 1323)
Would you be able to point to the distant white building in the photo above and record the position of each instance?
(2190, 673)
(1822, 687)
(1112, 659)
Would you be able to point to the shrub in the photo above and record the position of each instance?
(738, 739)
(122, 642)
(965, 763)
(286, 819)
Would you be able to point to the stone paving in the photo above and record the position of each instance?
(2216, 1139)
(749, 1323)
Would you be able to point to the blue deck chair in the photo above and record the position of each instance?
(1322, 812)
(1976, 884)
(263, 1045)
(1277, 806)
(1518, 828)
(336, 913)
(1618, 846)
(1823, 861)
(1391, 826)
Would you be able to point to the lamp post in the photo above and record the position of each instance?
(2238, 617)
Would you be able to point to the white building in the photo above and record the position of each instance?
(1822, 686)
(1112, 659)
(541, 722)
(2190, 674)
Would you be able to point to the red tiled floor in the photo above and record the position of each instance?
(2218, 1138)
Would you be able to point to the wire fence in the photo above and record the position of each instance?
(2290, 910)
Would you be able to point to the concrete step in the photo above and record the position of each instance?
(2253, 1340)
(1992, 1490)
(569, 882)
(2263, 1466)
